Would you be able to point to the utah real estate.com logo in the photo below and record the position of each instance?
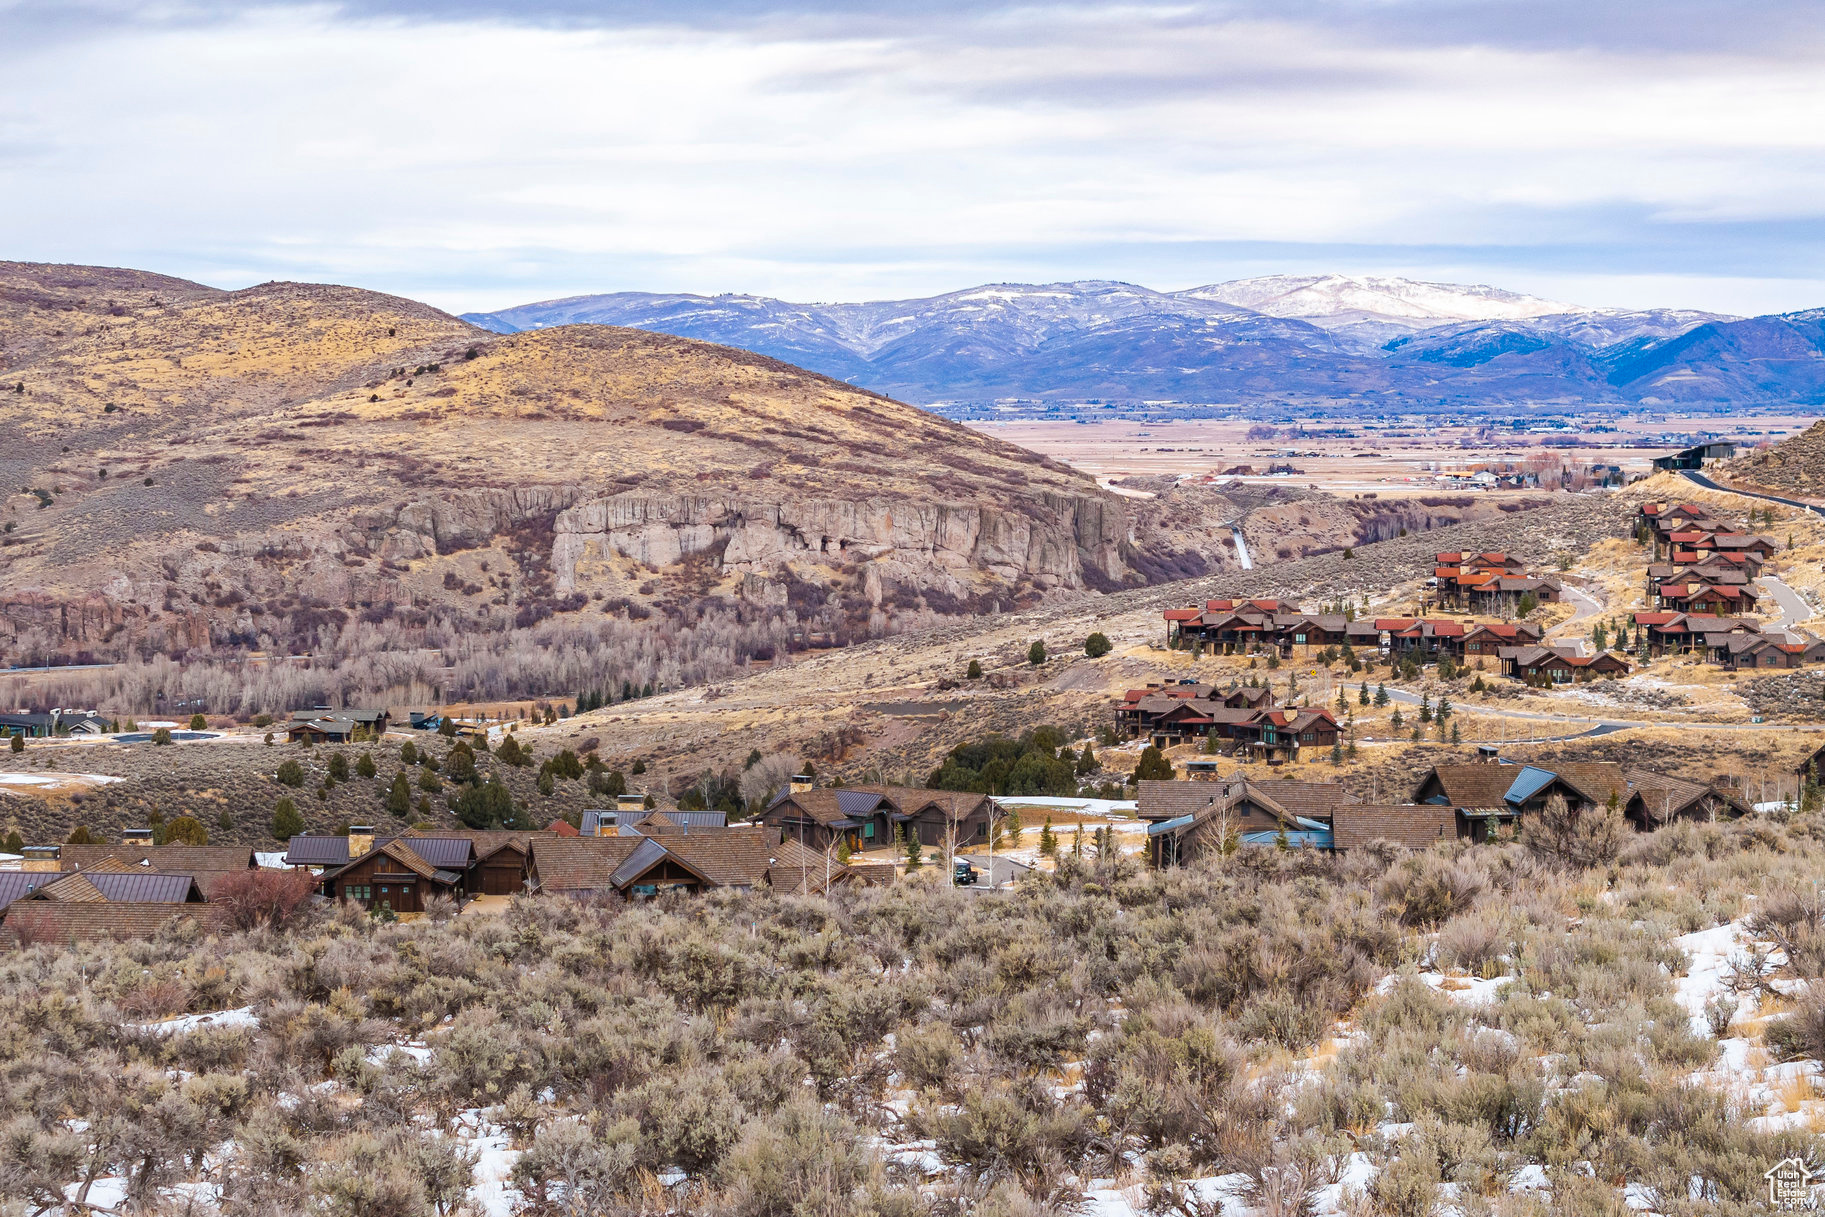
(1790, 1185)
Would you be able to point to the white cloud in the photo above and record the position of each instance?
(480, 163)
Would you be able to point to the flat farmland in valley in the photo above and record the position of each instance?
(1387, 456)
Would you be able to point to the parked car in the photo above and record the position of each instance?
(963, 874)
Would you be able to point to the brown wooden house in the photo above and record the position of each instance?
(393, 876)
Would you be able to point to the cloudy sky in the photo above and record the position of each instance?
(483, 154)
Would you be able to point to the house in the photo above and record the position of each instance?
(820, 819)
(208, 864)
(1411, 825)
(742, 857)
(338, 722)
(499, 857)
(873, 817)
(1812, 769)
(1671, 633)
(1743, 650)
(1561, 665)
(1657, 799)
(1697, 456)
(39, 921)
(396, 876)
(629, 808)
(1487, 641)
(115, 882)
(1280, 735)
(1189, 819)
(1487, 794)
(31, 726)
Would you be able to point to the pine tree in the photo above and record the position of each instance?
(1425, 708)
(974, 671)
(1395, 720)
(915, 856)
(1381, 695)
(1048, 844)
(1362, 694)
(1337, 753)
(399, 798)
(286, 822)
(364, 765)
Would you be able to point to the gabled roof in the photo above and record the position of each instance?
(172, 859)
(1414, 825)
(406, 856)
(127, 887)
(51, 922)
(580, 864)
(1664, 794)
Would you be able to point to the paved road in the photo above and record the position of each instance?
(1793, 606)
(1701, 480)
(1592, 725)
(1584, 607)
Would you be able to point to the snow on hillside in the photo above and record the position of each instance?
(1313, 296)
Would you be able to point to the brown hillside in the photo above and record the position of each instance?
(1793, 466)
(194, 472)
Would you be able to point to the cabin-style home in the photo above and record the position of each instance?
(1669, 633)
(1487, 795)
(1485, 642)
(1187, 819)
(326, 726)
(395, 876)
(207, 864)
(1754, 651)
(1657, 799)
(873, 817)
(1559, 665)
(741, 857)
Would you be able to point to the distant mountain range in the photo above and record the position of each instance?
(1393, 342)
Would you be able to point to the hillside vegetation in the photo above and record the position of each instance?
(193, 472)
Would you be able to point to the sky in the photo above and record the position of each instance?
(478, 155)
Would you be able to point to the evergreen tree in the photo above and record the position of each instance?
(1362, 694)
(915, 855)
(1036, 654)
(1153, 766)
(1337, 753)
(408, 753)
(1011, 827)
(1048, 843)
(399, 798)
(186, 830)
(286, 822)
(15, 844)
(1381, 695)
(364, 765)
(1097, 645)
(974, 671)
(18, 744)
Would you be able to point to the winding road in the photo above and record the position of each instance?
(1699, 479)
(1593, 725)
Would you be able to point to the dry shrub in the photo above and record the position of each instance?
(1473, 941)
(1429, 889)
(251, 898)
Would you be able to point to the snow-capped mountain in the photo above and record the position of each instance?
(1266, 339)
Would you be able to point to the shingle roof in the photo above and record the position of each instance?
(51, 922)
(171, 859)
(1159, 800)
(580, 864)
(1414, 825)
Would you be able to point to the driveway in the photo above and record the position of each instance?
(1006, 870)
(1584, 607)
(1793, 606)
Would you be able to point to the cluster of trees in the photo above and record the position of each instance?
(1040, 762)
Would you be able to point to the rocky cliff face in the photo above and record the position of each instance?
(1051, 547)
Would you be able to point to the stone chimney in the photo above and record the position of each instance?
(1201, 771)
(42, 858)
(361, 840)
(631, 803)
(801, 782)
(136, 836)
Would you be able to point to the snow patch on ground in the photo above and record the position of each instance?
(492, 1193)
(243, 1017)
